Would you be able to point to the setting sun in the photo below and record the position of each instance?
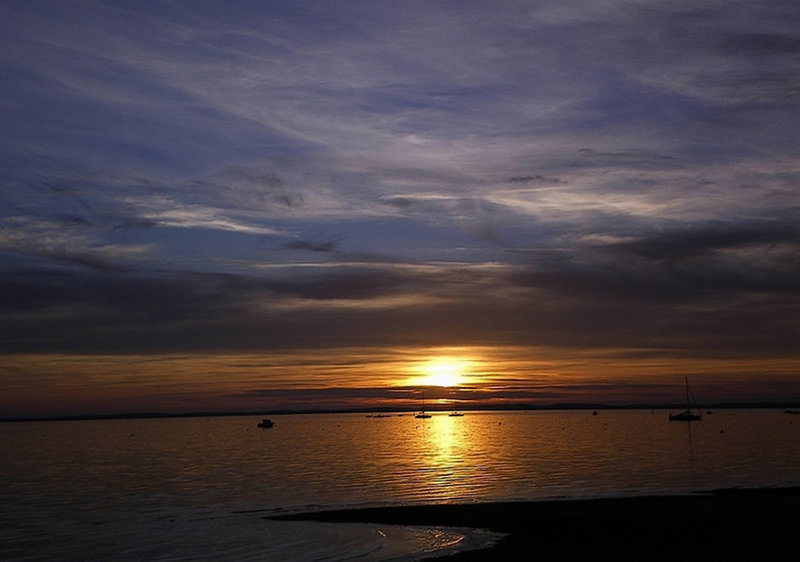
(443, 371)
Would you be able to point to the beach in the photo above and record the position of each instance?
(744, 524)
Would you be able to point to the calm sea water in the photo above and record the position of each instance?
(198, 488)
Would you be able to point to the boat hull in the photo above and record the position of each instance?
(685, 416)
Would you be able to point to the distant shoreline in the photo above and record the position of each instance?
(738, 524)
(495, 408)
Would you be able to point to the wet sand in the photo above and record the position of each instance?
(723, 525)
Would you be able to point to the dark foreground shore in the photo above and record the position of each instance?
(723, 525)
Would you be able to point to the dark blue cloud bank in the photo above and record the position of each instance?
(183, 176)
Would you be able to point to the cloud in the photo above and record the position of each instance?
(690, 243)
(326, 246)
(570, 174)
(688, 307)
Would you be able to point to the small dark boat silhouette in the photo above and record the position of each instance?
(265, 423)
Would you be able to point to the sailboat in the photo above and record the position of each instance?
(422, 414)
(687, 414)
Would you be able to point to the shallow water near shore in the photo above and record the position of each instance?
(199, 488)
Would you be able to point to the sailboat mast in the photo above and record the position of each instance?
(688, 406)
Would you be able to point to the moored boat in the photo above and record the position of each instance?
(688, 414)
(422, 414)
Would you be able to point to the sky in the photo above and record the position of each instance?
(251, 206)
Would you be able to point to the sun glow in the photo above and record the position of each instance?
(443, 371)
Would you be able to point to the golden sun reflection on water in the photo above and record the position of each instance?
(445, 465)
(445, 440)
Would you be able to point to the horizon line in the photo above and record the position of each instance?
(474, 408)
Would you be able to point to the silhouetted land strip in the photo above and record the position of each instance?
(408, 409)
(724, 525)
